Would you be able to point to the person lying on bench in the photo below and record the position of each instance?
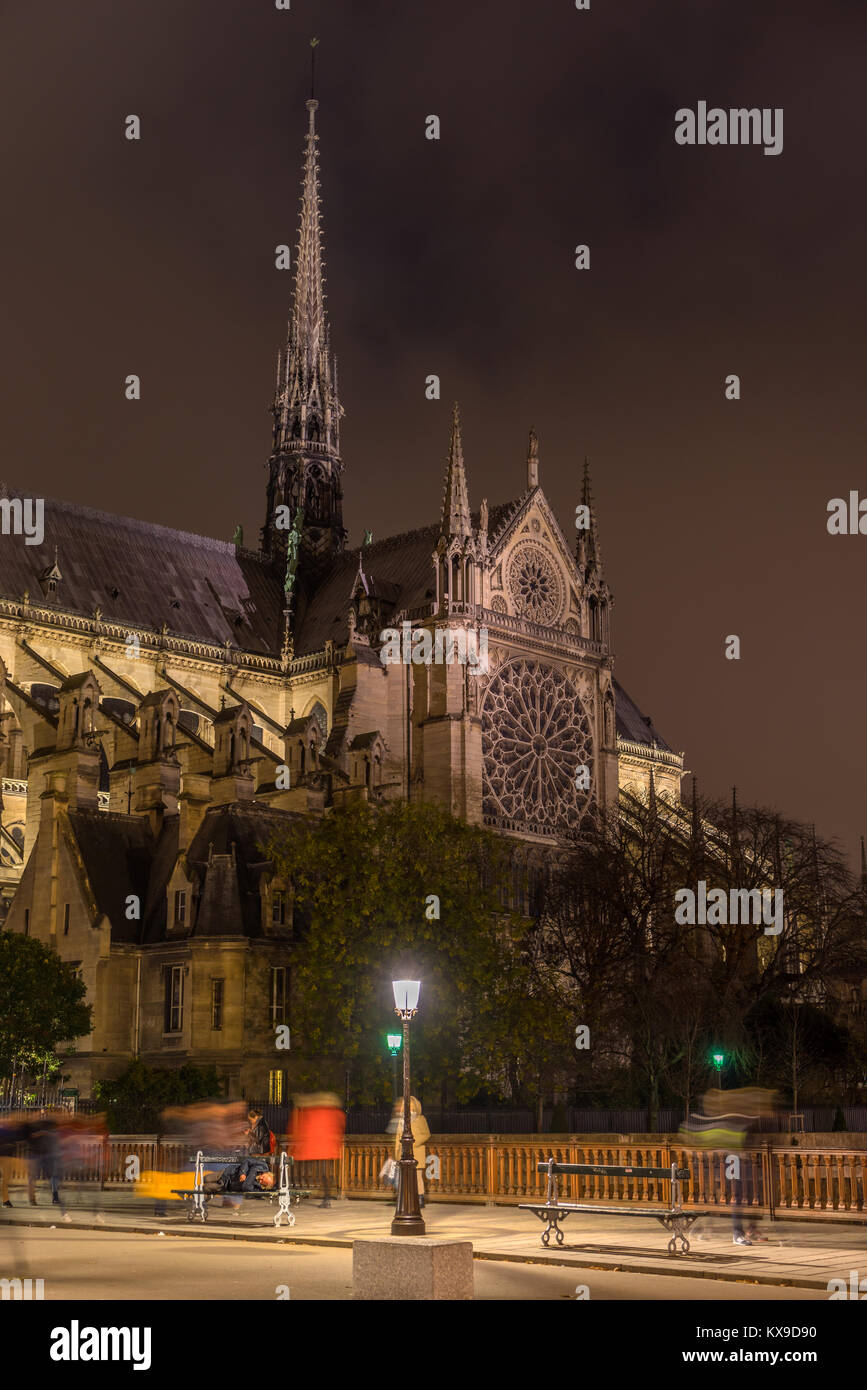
(250, 1175)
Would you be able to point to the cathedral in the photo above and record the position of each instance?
(168, 699)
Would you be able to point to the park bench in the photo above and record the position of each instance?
(672, 1217)
(198, 1197)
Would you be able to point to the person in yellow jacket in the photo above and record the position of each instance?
(420, 1136)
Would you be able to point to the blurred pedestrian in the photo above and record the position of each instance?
(212, 1126)
(318, 1123)
(730, 1129)
(12, 1133)
(43, 1157)
(420, 1136)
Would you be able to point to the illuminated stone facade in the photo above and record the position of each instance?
(169, 700)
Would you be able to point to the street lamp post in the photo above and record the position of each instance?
(407, 1218)
(394, 1043)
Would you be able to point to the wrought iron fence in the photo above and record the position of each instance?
(373, 1119)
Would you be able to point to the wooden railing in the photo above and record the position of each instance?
(501, 1169)
(497, 1169)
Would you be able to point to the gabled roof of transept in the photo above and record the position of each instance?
(634, 725)
(147, 576)
(404, 562)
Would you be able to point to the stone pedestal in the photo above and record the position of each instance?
(412, 1267)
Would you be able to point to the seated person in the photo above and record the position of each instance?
(250, 1175)
(257, 1135)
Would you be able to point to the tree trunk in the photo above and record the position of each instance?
(653, 1108)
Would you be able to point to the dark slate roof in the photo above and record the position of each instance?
(117, 852)
(213, 582)
(155, 914)
(399, 566)
(300, 724)
(364, 741)
(632, 724)
(230, 904)
(229, 853)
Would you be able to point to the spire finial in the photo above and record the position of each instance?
(593, 547)
(456, 507)
(533, 460)
(313, 43)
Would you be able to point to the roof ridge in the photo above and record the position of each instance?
(135, 523)
(434, 528)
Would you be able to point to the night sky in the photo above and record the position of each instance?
(457, 258)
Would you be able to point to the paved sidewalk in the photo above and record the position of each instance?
(797, 1254)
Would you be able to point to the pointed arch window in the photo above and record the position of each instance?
(320, 715)
(456, 580)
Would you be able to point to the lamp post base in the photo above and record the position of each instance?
(408, 1226)
(408, 1220)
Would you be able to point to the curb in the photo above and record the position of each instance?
(576, 1261)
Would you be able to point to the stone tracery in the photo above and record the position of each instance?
(534, 584)
(535, 735)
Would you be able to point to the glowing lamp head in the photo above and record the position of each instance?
(406, 994)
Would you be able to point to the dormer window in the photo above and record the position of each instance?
(50, 578)
(180, 907)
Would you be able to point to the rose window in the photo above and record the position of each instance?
(535, 736)
(535, 584)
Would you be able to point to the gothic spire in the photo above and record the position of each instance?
(695, 816)
(735, 831)
(305, 465)
(308, 399)
(456, 507)
(594, 549)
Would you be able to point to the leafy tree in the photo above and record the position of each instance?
(382, 893)
(42, 1003)
(135, 1100)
